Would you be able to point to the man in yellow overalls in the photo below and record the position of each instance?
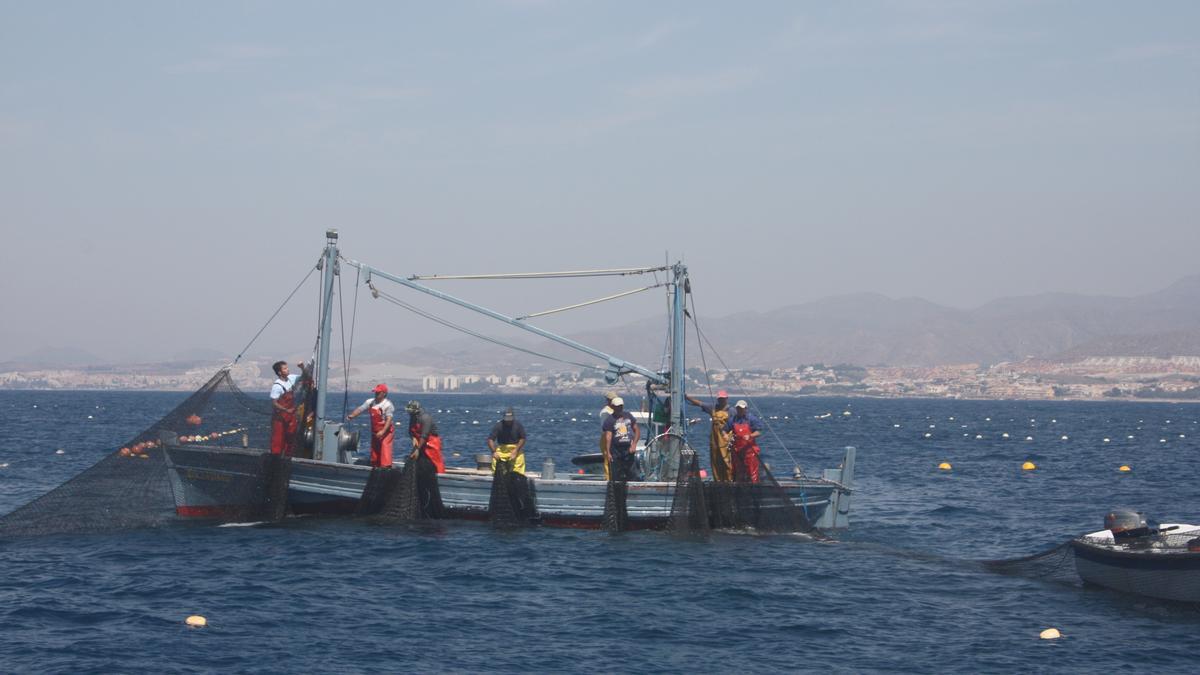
(718, 438)
(507, 443)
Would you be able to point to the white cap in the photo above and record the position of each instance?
(616, 402)
(740, 404)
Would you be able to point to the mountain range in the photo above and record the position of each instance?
(860, 329)
(873, 329)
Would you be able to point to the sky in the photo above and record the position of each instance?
(168, 170)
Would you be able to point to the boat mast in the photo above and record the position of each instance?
(680, 289)
(325, 440)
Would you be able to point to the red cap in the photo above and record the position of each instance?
(381, 387)
(722, 394)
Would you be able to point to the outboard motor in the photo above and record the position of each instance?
(1126, 525)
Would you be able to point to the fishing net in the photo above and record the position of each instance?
(413, 494)
(381, 482)
(756, 502)
(1056, 563)
(616, 511)
(200, 459)
(513, 500)
(689, 509)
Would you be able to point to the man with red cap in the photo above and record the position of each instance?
(383, 431)
(718, 438)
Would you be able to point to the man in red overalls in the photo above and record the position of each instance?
(383, 430)
(746, 429)
(284, 424)
(424, 434)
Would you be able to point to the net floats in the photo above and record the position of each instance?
(1028, 466)
(1124, 468)
(196, 621)
(1050, 634)
(945, 466)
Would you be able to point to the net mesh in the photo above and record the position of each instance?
(513, 500)
(689, 508)
(616, 511)
(170, 469)
(1056, 563)
(762, 505)
(413, 495)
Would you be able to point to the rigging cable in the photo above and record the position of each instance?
(738, 384)
(624, 271)
(345, 363)
(264, 327)
(449, 324)
(587, 302)
(350, 353)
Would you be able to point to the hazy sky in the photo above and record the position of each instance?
(167, 170)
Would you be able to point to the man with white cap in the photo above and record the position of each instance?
(718, 438)
(383, 429)
(507, 442)
(746, 429)
(620, 438)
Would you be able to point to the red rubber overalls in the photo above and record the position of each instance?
(745, 453)
(381, 447)
(433, 447)
(284, 426)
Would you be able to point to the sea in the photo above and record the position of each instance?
(900, 590)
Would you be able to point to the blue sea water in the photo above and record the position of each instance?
(313, 595)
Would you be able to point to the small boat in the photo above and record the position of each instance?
(1131, 555)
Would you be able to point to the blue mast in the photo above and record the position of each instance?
(325, 439)
(680, 289)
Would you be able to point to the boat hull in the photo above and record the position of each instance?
(319, 488)
(1167, 575)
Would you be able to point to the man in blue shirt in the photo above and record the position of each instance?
(746, 429)
(621, 435)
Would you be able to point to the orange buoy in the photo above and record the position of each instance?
(1028, 466)
(194, 420)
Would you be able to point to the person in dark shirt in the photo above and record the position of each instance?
(621, 435)
(426, 442)
(507, 442)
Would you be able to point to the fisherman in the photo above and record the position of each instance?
(746, 429)
(424, 433)
(718, 438)
(284, 424)
(621, 435)
(605, 413)
(507, 442)
(383, 428)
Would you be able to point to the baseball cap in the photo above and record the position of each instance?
(617, 400)
(740, 404)
(413, 406)
(380, 387)
(722, 394)
(508, 415)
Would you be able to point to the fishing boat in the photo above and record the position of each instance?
(216, 480)
(1132, 556)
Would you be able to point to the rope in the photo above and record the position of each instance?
(587, 302)
(345, 360)
(400, 303)
(700, 347)
(350, 353)
(285, 302)
(625, 271)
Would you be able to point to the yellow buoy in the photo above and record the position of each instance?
(945, 466)
(1050, 634)
(1123, 468)
(1029, 466)
(196, 621)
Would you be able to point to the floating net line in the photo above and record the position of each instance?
(169, 470)
(513, 500)
(1056, 563)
